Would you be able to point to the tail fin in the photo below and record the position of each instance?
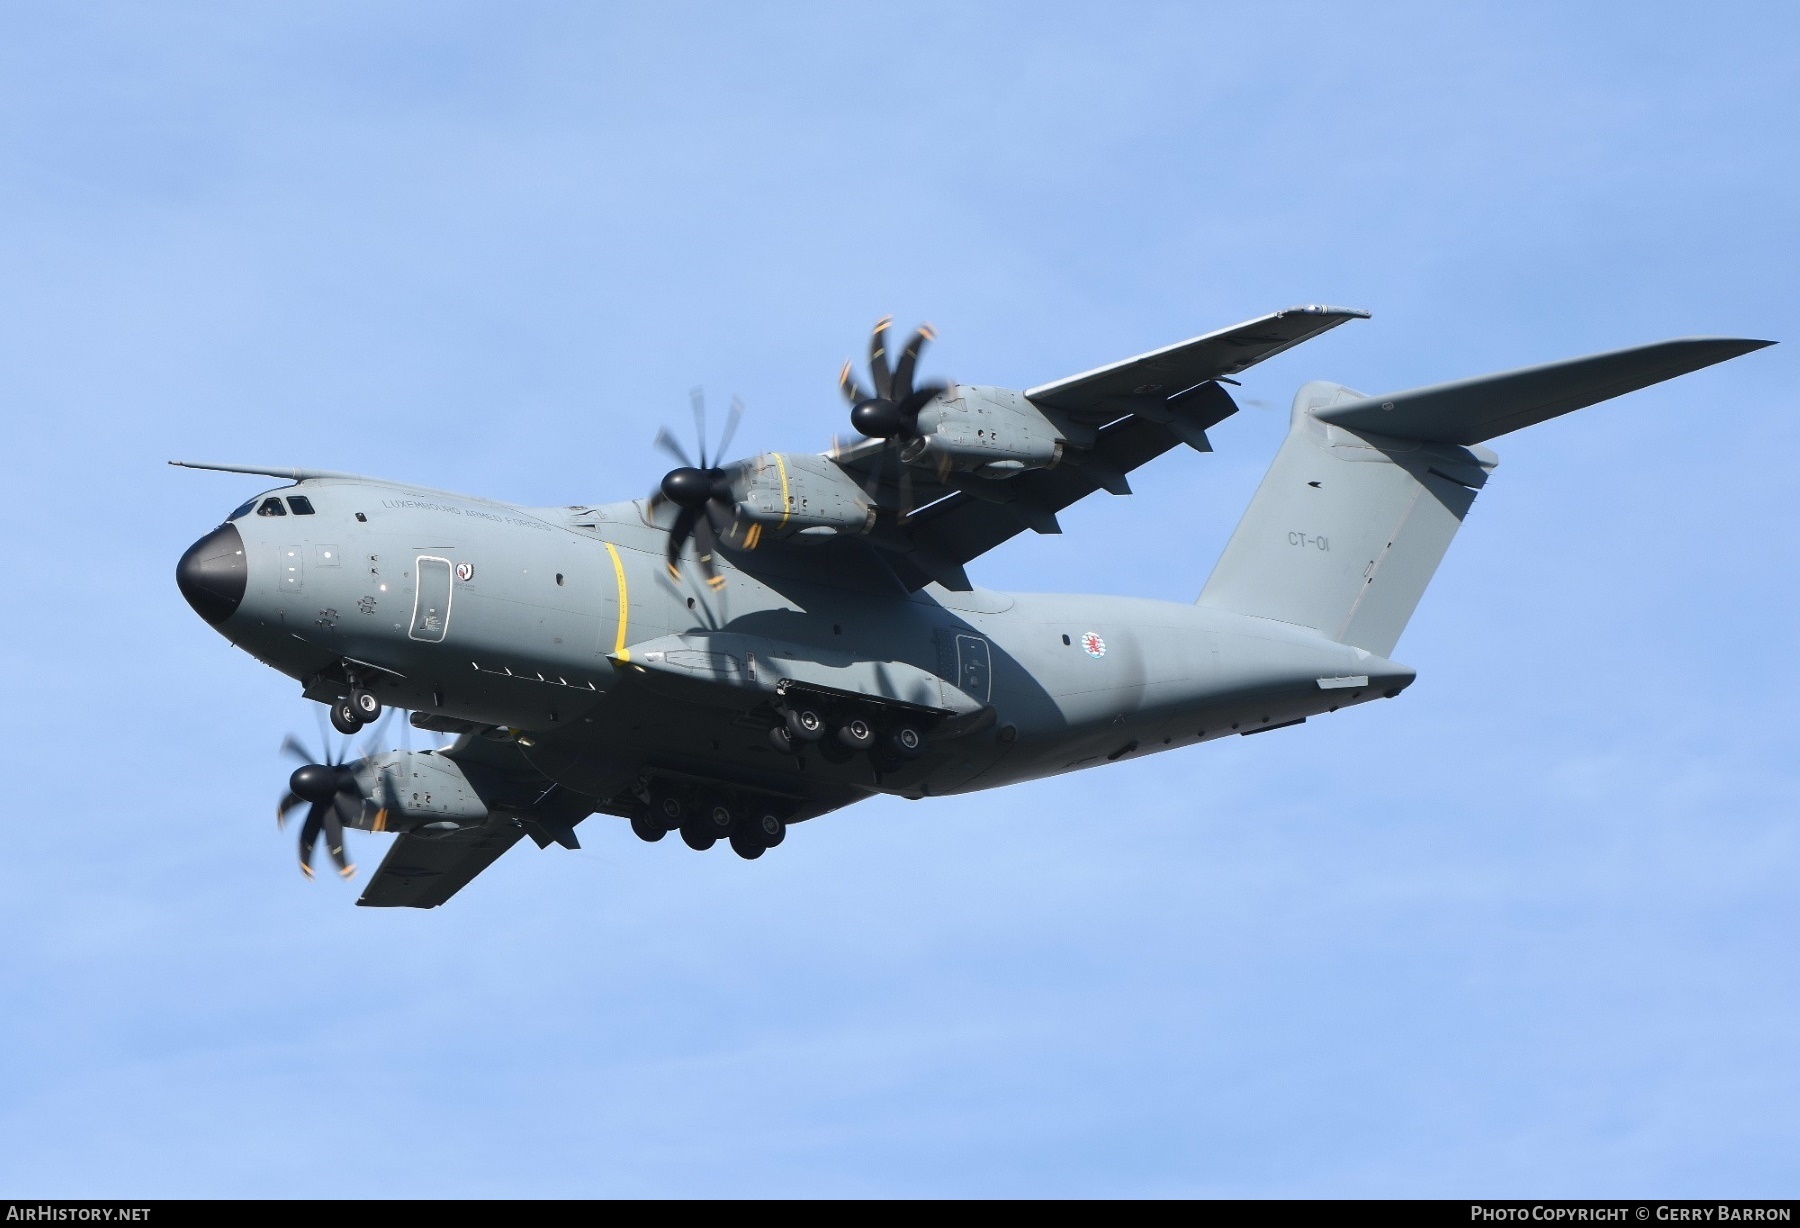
(1366, 494)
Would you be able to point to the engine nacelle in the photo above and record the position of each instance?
(992, 432)
(416, 791)
(788, 493)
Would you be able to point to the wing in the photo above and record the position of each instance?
(1160, 375)
(1133, 411)
(423, 872)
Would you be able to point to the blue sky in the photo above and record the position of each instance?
(1528, 931)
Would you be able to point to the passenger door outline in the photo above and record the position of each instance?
(432, 587)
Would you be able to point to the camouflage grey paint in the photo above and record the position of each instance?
(561, 629)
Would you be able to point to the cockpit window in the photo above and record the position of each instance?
(301, 504)
(271, 507)
(243, 509)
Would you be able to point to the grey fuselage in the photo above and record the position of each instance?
(542, 609)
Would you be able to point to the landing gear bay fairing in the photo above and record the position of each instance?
(765, 641)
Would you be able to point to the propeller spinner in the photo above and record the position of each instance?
(702, 494)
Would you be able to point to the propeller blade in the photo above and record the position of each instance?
(731, 425)
(721, 513)
(872, 487)
(375, 735)
(678, 535)
(698, 397)
(290, 745)
(705, 542)
(288, 803)
(342, 810)
(309, 834)
(909, 358)
(878, 363)
(852, 391)
(906, 492)
(668, 443)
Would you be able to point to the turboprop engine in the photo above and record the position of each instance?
(797, 494)
(421, 792)
(991, 432)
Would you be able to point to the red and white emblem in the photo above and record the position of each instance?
(465, 571)
(1092, 644)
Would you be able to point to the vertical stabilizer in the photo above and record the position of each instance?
(1366, 493)
(1346, 529)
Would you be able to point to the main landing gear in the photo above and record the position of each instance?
(750, 829)
(841, 736)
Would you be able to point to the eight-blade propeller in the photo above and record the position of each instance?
(702, 493)
(892, 410)
(335, 798)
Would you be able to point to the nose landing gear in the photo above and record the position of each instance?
(368, 708)
(351, 712)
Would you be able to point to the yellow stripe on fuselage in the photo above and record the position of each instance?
(619, 649)
(787, 507)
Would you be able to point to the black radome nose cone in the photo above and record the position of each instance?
(212, 574)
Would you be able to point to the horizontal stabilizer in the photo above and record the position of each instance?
(1469, 411)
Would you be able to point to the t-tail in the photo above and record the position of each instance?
(1366, 493)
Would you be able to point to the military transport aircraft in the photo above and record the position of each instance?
(763, 641)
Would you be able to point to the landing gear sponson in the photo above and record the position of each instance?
(704, 816)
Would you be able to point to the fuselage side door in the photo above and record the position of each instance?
(431, 599)
(974, 667)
